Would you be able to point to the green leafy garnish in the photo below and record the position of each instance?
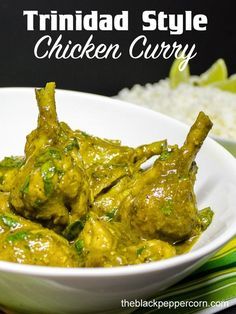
(85, 134)
(18, 236)
(164, 155)
(54, 153)
(110, 215)
(206, 216)
(9, 221)
(73, 144)
(140, 250)
(49, 154)
(60, 173)
(79, 245)
(167, 208)
(25, 187)
(38, 203)
(48, 187)
(72, 231)
(48, 170)
(12, 162)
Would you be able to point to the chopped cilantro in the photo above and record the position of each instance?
(73, 144)
(38, 203)
(85, 134)
(12, 162)
(60, 173)
(164, 155)
(140, 250)
(167, 207)
(48, 170)
(54, 153)
(73, 230)
(47, 155)
(9, 221)
(110, 215)
(48, 187)
(18, 236)
(25, 188)
(79, 245)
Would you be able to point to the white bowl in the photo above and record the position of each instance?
(48, 290)
(228, 144)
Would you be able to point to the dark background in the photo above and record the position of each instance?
(19, 67)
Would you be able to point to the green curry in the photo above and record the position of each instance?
(75, 200)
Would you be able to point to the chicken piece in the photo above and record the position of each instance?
(52, 185)
(97, 243)
(160, 202)
(106, 161)
(104, 243)
(167, 207)
(25, 242)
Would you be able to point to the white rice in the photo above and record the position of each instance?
(184, 103)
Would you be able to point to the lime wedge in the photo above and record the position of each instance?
(233, 76)
(176, 76)
(227, 85)
(217, 72)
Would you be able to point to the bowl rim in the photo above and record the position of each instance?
(224, 140)
(120, 271)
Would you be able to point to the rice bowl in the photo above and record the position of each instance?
(185, 101)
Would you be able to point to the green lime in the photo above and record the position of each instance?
(176, 75)
(232, 77)
(217, 72)
(227, 85)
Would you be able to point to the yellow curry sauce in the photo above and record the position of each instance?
(75, 200)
